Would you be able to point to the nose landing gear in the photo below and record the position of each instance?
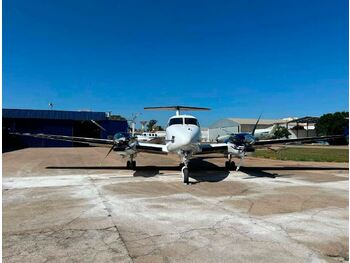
(184, 170)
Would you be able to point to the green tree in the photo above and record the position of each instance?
(158, 128)
(151, 124)
(332, 123)
(281, 132)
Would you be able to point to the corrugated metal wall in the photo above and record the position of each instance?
(53, 114)
(57, 122)
(59, 127)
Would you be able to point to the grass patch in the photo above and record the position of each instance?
(305, 154)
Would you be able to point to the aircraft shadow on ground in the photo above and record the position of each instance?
(261, 171)
(201, 170)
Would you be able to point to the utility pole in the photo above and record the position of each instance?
(143, 124)
(132, 121)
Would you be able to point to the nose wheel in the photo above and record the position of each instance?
(185, 174)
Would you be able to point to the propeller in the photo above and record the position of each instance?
(119, 140)
(256, 124)
(110, 150)
(244, 141)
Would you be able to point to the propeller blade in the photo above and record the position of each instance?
(98, 125)
(110, 150)
(240, 163)
(256, 125)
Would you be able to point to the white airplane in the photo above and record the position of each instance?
(267, 133)
(182, 138)
(149, 136)
(259, 134)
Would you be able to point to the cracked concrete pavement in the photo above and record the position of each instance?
(62, 205)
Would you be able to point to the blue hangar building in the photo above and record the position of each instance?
(70, 123)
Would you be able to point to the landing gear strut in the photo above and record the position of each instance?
(184, 170)
(230, 165)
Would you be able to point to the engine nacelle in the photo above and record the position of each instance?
(235, 150)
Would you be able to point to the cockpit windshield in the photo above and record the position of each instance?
(174, 121)
(191, 121)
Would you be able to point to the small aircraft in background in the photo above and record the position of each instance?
(182, 137)
(150, 136)
(259, 134)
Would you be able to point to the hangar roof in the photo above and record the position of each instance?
(224, 123)
(53, 114)
(305, 119)
(253, 121)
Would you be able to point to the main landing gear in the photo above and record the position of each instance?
(131, 164)
(230, 165)
(185, 174)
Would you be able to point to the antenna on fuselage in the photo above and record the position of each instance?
(177, 108)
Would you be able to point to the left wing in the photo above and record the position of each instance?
(305, 139)
(83, 140)
(229, 147)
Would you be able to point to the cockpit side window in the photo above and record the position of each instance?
(191, 121)
(174, 121)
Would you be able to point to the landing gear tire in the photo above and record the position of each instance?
(185, 174)
(133, 165)
(230, 165)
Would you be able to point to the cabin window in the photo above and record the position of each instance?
(174, 121)
(191, 121)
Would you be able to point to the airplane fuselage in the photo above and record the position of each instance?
(183, 134)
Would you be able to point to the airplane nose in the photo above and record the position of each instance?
(184, 139)
(189, 137)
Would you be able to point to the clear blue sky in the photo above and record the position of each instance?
(285, 58)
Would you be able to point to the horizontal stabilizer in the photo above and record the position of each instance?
(178, 108)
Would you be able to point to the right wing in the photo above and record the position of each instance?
(213, 148)
(151, 147)
(140, 146)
